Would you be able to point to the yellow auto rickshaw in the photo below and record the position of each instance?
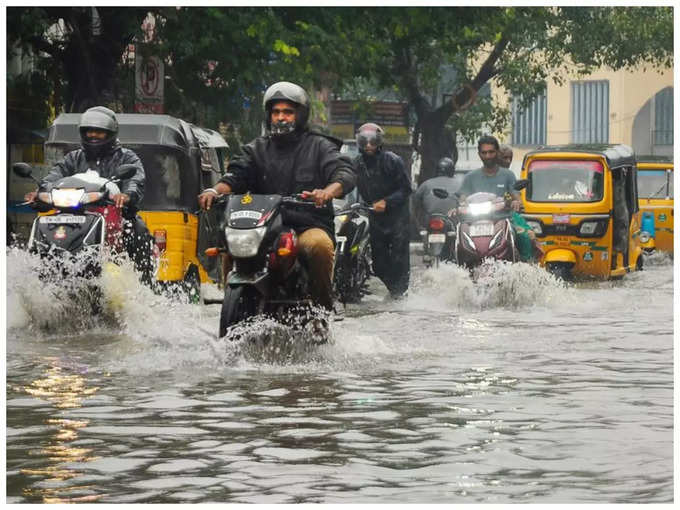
(582, 203)
(655, 191)
(179, 160)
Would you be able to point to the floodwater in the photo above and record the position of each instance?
(514, 389)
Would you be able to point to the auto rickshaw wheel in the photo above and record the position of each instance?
(639, 265)
(561, 270)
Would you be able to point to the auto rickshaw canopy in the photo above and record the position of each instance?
(617, 155)
(143, 129)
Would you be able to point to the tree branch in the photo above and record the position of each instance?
(465, 96)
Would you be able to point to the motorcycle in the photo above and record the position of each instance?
(86, 226)
(352, 252)
(439, 236)
(485, 230)
(267, 277)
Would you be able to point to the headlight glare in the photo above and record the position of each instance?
(244, 242)
(480, 208)
(67, 197)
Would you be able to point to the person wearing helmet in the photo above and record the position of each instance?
(289, 159)
(424, 201)
(101, 151)
(384, 183)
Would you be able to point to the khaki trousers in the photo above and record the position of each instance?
(317, 248)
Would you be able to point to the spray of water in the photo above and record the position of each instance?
(495, 284)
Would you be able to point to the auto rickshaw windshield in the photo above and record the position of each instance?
(565, 181)
(655, 184)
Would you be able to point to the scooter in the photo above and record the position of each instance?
(268, 277)
(352, 252)
(85, 228)
(485, 231)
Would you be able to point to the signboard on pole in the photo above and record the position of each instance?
(149, 78)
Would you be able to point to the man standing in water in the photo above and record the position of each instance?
(384, 183)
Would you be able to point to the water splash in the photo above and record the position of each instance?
(495, 284)
(292, 338)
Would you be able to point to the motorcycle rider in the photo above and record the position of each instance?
(290, 159)
(101, 151)
(490, 177)
(425, 203)
(383, 181)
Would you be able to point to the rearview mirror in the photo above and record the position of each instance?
(22, 170)
(521, 184)
(440, 193)
(125, 171)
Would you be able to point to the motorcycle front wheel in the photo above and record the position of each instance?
(239, 304)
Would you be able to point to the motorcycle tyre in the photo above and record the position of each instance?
(239, 304)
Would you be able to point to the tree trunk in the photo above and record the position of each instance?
(436, 142)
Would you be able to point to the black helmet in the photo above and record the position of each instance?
(446, 166)
(286, 91)
(370, 132)
(98, 117)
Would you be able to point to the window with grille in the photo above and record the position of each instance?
(529, 123)
(663, 117)
(590, 111)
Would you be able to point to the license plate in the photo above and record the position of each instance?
(561, 218)
(59, 219)
(436, 238)
(481, 230)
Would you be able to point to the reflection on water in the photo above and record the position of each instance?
(512, 389)
(63, 391)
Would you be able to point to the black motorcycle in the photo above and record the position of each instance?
(86, 226)
(352, 252)
(267, 277)
(438, 235)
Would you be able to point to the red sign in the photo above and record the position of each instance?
(149, 75)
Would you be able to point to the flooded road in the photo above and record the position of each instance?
(515, 389)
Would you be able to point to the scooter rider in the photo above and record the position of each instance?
(102, 152)
(491, 178)
(291, 159)
(425, 203)
(383, 181)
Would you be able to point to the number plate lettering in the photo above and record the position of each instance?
(481, 229)
(61, 219)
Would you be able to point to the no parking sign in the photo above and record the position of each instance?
(149, 77)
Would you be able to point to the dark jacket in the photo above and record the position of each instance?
(385, 177)
(75, 162)
(310, 161)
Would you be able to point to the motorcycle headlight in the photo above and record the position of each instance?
(588, 227)
(244, 242)
(535, 226)
(645, 237)
(480, 208)
(67, 197)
